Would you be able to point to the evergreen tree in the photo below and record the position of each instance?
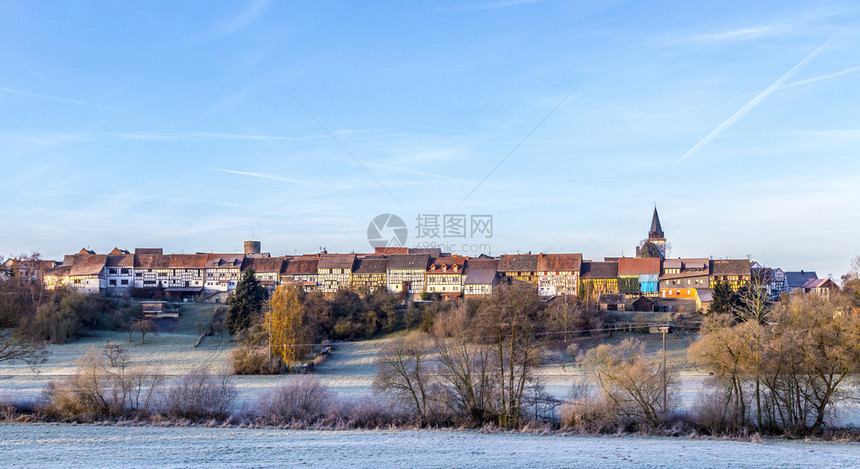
(246, 302)
(724, 299)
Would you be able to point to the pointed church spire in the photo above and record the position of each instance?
(656, 230)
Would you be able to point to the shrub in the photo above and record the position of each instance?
(585, 411)
(712, 414)
(373, 414)
(97, 390)
(248, 360)
(200, 395)
(64, 315)
(303, 401)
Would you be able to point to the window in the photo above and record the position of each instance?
(112, 271)
(688, 291)
(125, 271)
(124, 282)
(113, 283)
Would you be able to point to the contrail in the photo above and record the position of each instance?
(764, 94)
(823, 77)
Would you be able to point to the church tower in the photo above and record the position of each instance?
(655, 245)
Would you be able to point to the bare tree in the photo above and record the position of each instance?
(812, 351)
(508, 322)
(14, 345)
(724, 349)
(145, 326)
(466, 369)
(754, 309)
(631, 380)
(403, 370)
(115, 353)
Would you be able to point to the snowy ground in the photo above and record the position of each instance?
(61, 446)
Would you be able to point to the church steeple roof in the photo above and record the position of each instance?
(656, 230)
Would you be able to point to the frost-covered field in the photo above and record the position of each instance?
(348, 373)
(61, 446)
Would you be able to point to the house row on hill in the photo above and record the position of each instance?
(649, 280)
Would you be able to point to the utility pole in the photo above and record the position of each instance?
(664, 330)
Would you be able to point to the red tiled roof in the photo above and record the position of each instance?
(560, 262)
(439, 265)
(150, 261)
(369, 265)
(408, 262)
(301, 266)
(227, 261)
(477, 263)
(186, 261)
(601, 270)
(391, 250)
(120, 260)
(518, 263)
(264, 264)
(730, 267)
(638, 266)
(61, 271)
(149, 251)
(336, 261)
(89, 264)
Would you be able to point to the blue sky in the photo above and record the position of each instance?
(190, 125)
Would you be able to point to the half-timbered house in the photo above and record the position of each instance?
(335, 272)
(119, 273)
(223, 271)
(598, 278)
(735, 272)
(87, 273)
(481, 277)
(638, 276)
(558, 274)
(301, 272)
(406, 273)
(519, 267)
(445, 276)
(267, 270)
(371, 273)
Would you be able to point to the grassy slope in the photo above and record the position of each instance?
(348, 373)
